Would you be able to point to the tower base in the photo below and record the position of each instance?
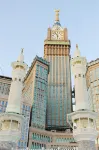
(86, 145)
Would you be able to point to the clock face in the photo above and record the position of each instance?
(57, 35)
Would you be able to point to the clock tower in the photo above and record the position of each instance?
(57, 52)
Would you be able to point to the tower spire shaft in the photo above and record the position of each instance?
(57, 15)
(18, 74)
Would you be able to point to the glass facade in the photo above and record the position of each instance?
(38, 115)
(67, 140)
(59, 91)
(25, 128)
(40, 140)
(37, 145)
(57, 53)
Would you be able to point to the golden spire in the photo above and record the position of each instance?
(57, 15)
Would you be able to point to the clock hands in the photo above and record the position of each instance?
(56, 35)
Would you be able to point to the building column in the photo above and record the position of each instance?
(86, 145)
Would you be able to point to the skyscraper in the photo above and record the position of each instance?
(39, 81)
(57, 52)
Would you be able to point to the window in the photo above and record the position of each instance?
(19, 143)
(2, 102)
(79, 75)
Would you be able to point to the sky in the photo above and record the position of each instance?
(24, 23)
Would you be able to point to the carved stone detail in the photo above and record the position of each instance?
(86, 145)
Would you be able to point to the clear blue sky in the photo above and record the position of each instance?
(24, 23)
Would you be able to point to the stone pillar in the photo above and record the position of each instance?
(86, 145)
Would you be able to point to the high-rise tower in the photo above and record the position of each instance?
(57, 52)
(38, 91)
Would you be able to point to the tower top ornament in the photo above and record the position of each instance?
(57, 15)
(21, 56)
(76, 45)
(77, 52)
(22, 49)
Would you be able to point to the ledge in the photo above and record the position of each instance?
(58, 42)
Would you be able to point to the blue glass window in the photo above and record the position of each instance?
(2, 102)
(19, 143)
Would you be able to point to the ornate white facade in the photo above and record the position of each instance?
(84, 119)
(11, 121)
